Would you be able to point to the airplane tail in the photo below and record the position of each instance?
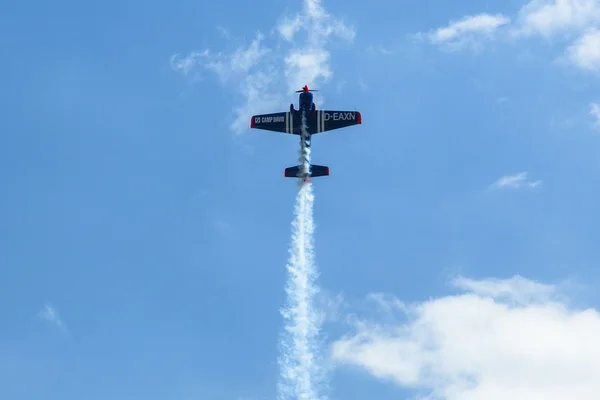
(315, 170)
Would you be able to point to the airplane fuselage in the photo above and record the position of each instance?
(305, 101)
(305, 105)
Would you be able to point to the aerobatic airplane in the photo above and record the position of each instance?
(317, 121)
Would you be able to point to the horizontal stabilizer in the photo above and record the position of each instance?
(315, 170)
(319, 170)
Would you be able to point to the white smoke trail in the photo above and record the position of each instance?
(301, 371)
(304, 150)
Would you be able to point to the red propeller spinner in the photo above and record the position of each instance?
(305, 89)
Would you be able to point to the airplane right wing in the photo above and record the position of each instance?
(277, 122)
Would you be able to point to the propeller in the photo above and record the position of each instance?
(306, 89)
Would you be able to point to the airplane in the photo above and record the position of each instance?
(317, 121)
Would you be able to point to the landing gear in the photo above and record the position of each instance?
(291, 107)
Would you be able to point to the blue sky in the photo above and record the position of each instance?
(145, 227)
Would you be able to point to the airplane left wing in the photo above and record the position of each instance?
(277, 122)
(328, 120)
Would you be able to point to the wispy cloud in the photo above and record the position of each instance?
(239, 68)
(517, 181)
(254, 69)
(516, 290)
(576, 19)
(585, 51)
(550, 17)
(495, 339)
(595, 112)
(225, 66)
(468, 31)
(310, 62)
(50, 314)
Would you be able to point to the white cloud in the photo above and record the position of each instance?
(468, 30)
(307, 64)
(224, 65)
(497, 339)
(246, 67)
(571, 18)
(516, 181)
(188, 63)
(517, 289)
(548, 17)
(50, 314)
(257, 68)
(330, 305)
(595, 112)
(585, 51)
(255, 88)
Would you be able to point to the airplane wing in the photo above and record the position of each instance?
(328, 120)
(277, 122)
(316, 121)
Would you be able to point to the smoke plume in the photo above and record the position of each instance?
(301, 372)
